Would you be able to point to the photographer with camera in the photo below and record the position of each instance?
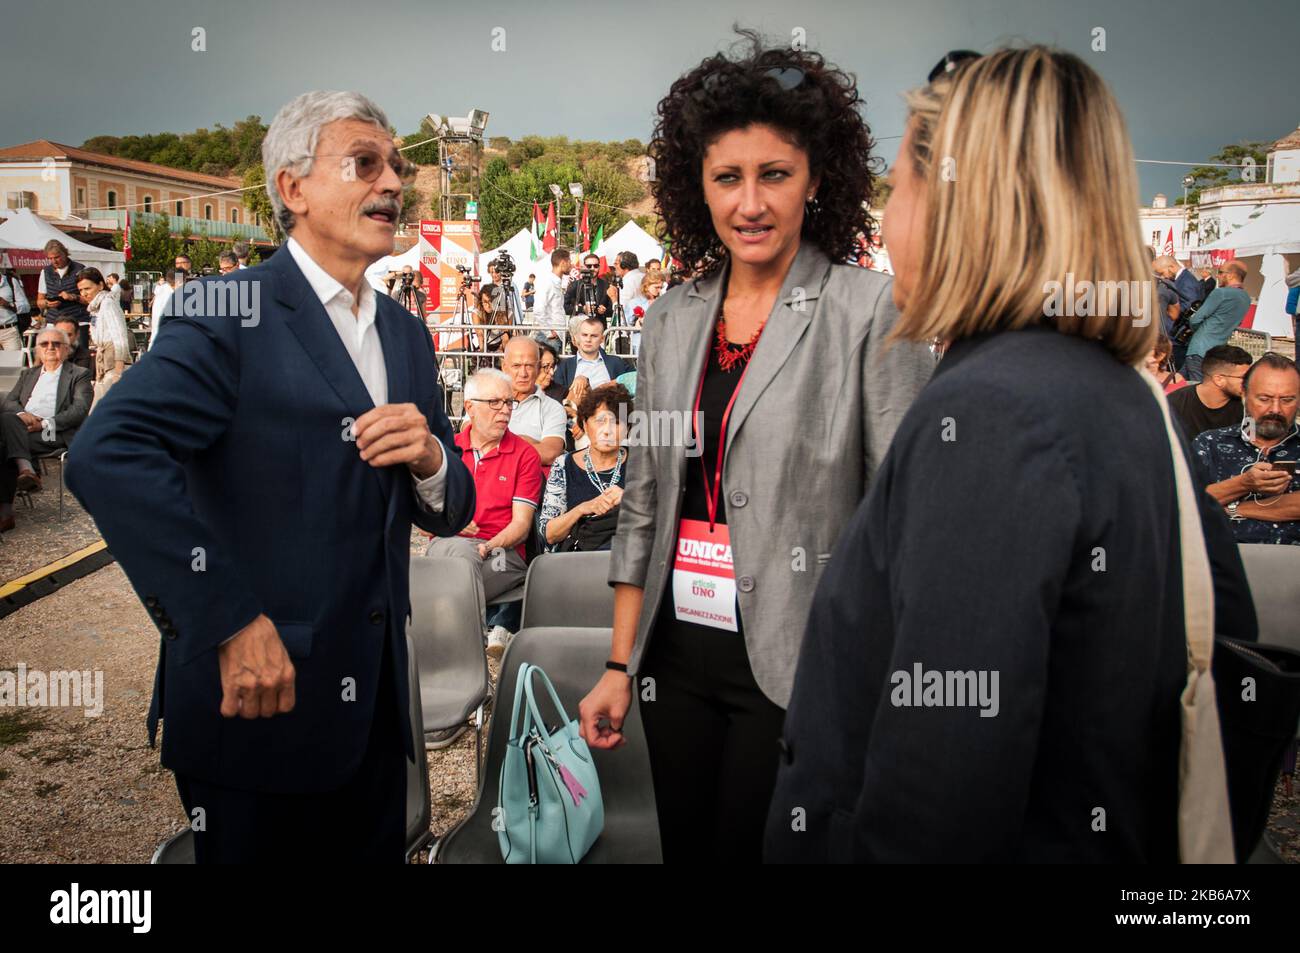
(588, 296)
(404, 287)
(502, 271)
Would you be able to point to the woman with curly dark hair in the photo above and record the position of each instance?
(772, 361)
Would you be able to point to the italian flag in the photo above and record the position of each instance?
(595, 250)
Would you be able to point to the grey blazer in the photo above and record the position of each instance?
(76, 392)
(819, 405)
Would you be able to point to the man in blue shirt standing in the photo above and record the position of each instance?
(1218, 316)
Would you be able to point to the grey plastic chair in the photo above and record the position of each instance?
(574, 658)
(447, 629)
(179, 848)
(1274, 576)
(569, 589)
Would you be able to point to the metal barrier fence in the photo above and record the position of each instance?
(458, 363)
(1256, 343)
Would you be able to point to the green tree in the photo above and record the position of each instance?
(257, 201)
(1212, 176)
(152, 246)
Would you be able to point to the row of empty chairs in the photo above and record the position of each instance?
(567, 609)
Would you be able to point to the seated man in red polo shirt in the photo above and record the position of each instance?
(508, 481)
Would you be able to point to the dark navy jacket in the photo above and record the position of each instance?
(1023, 523)
(218, 471)
(566, 371)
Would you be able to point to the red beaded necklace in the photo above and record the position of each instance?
(728, 358)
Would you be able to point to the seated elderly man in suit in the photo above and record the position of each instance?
(508, 489)
(41, 413)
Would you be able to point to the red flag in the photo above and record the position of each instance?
(1169, 243)
(549, 239)
(126, 238)
(585, 229)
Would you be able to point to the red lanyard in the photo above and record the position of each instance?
(711, 495)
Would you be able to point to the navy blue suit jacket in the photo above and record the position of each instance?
(221, 474)
(1189, 288)
(565, 372)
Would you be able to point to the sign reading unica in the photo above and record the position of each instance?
(1212, 258)
(444, 246)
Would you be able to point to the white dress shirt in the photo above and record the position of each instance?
(360, 338)
(14, 298)
(631, 289)
(595, 371)
(162, 296)
(548, 306)
(45, 395)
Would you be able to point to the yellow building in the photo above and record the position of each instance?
(78, 189)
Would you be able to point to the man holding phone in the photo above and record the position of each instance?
(1251, 469)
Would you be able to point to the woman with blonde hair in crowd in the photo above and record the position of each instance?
(993, 664)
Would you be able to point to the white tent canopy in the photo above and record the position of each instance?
(632, 237)
(1270, 235)
(1275, 231)
(26, 230)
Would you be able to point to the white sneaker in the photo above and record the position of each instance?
(497, 641)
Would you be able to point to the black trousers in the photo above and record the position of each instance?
(712, 736)
(362, 822)
(15, 443)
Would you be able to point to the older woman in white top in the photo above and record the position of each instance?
(108, 330)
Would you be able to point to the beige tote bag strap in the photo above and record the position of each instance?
(1204, 818)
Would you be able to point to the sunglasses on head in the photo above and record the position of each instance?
(787, 78)
(950, 62)
(367, 165)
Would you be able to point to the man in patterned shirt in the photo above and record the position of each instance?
(1251, 469)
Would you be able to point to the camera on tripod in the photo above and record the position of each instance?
(505, 266)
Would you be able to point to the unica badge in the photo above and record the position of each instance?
(704, 580)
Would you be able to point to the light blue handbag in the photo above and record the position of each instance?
(549, 809)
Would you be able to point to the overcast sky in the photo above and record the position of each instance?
(596, 71)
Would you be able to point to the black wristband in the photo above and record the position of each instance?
(616, 667)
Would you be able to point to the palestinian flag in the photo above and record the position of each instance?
(535, 230)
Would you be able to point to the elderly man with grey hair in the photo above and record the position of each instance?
(41, 413)
(270, 538)
(508, 484)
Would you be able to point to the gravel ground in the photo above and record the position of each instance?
(77, 790)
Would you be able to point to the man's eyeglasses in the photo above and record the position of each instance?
(950, 62)
(367, 165)
(496, 403)
(48, 344)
